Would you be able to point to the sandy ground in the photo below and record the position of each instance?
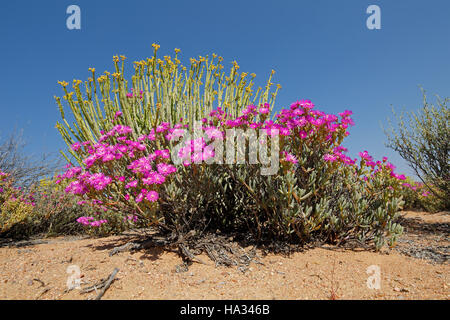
(416, 269)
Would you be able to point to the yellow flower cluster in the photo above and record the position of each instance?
(68, 95)
(102, 78)
(76, 82)
(141, 63)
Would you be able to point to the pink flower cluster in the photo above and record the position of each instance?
(417, 187)
(119, 162)
(195, 151)
(299, 121)
(12, 193)
(103, 152)
(312, 126)
(378, 166)
(338, 155)
(142, 171)
(90, 221)
(86, 181)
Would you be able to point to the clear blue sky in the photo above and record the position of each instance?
(321, 50)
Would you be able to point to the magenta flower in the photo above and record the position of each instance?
(329, 157)
(76, 146)
(365, 155)
(264, 110)
(140, 197)
(131, 184)
(346, 113)
(165, 169)
(290, 158)
(152, 196)
(303, 134)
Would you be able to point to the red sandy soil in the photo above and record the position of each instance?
(415, 269)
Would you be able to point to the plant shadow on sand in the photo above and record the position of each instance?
(426, 238)
(151, 253)
(422, 239)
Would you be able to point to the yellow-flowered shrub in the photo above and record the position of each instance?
(15, 207)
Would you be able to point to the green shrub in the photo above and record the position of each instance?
(318, 194)
(16, 209)
(422, 139)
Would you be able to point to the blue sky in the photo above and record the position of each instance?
(321, 50)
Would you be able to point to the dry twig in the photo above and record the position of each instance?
(107, 283)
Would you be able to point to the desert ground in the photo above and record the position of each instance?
(416, 268)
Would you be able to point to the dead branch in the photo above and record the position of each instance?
(107, 283)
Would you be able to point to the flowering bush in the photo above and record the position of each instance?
(15, 206)
(417, 195)
(154, 154)
(58, 212)
(318, 192)
(413, 194)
